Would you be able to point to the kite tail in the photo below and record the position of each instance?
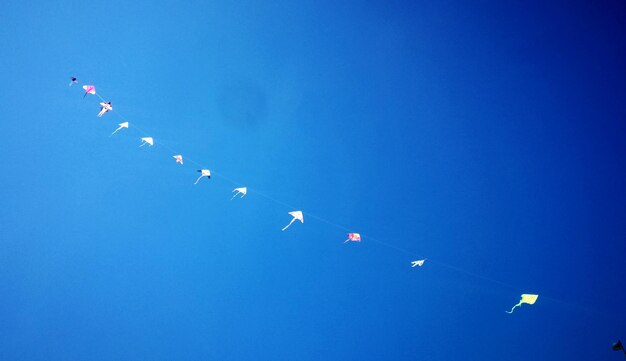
(287, 226)
(234, 196)
(197, 180)
(346, 241)
(115, 131)
(519, 304)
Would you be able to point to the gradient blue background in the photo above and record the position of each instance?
(486, 136)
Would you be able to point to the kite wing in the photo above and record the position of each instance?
(298, 215)
(529, 299)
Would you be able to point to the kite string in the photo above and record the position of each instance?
(338, 226)
(321, 219)
(518, 305)
(287, 226)
(311, 215)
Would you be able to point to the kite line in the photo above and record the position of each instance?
(106, 106)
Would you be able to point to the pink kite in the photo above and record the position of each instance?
(89, 89)
(354, 237)
(179, 158)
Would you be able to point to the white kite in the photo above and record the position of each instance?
(238, 191)
(418, 263)
(120, 126)
(526, 298)
(296, 215)
(354, 237)
(203, 173)
(147, 140)
(105, 107)
(179, 158)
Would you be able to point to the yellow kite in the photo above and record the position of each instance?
(526, 298)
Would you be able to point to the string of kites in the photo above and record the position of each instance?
(106, 107)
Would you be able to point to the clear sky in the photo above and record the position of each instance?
(485, 136)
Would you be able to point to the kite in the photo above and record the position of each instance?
(354, 237)
(73, 81)
(296, 215)
(526, 298)
(105, 107)
(89, 89)
(147, 140)
(618, 346)
(203, 173)
(418, 263)
(179, 158)
(238, 191)
(120, 126)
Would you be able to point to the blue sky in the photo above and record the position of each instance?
(486, 137)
